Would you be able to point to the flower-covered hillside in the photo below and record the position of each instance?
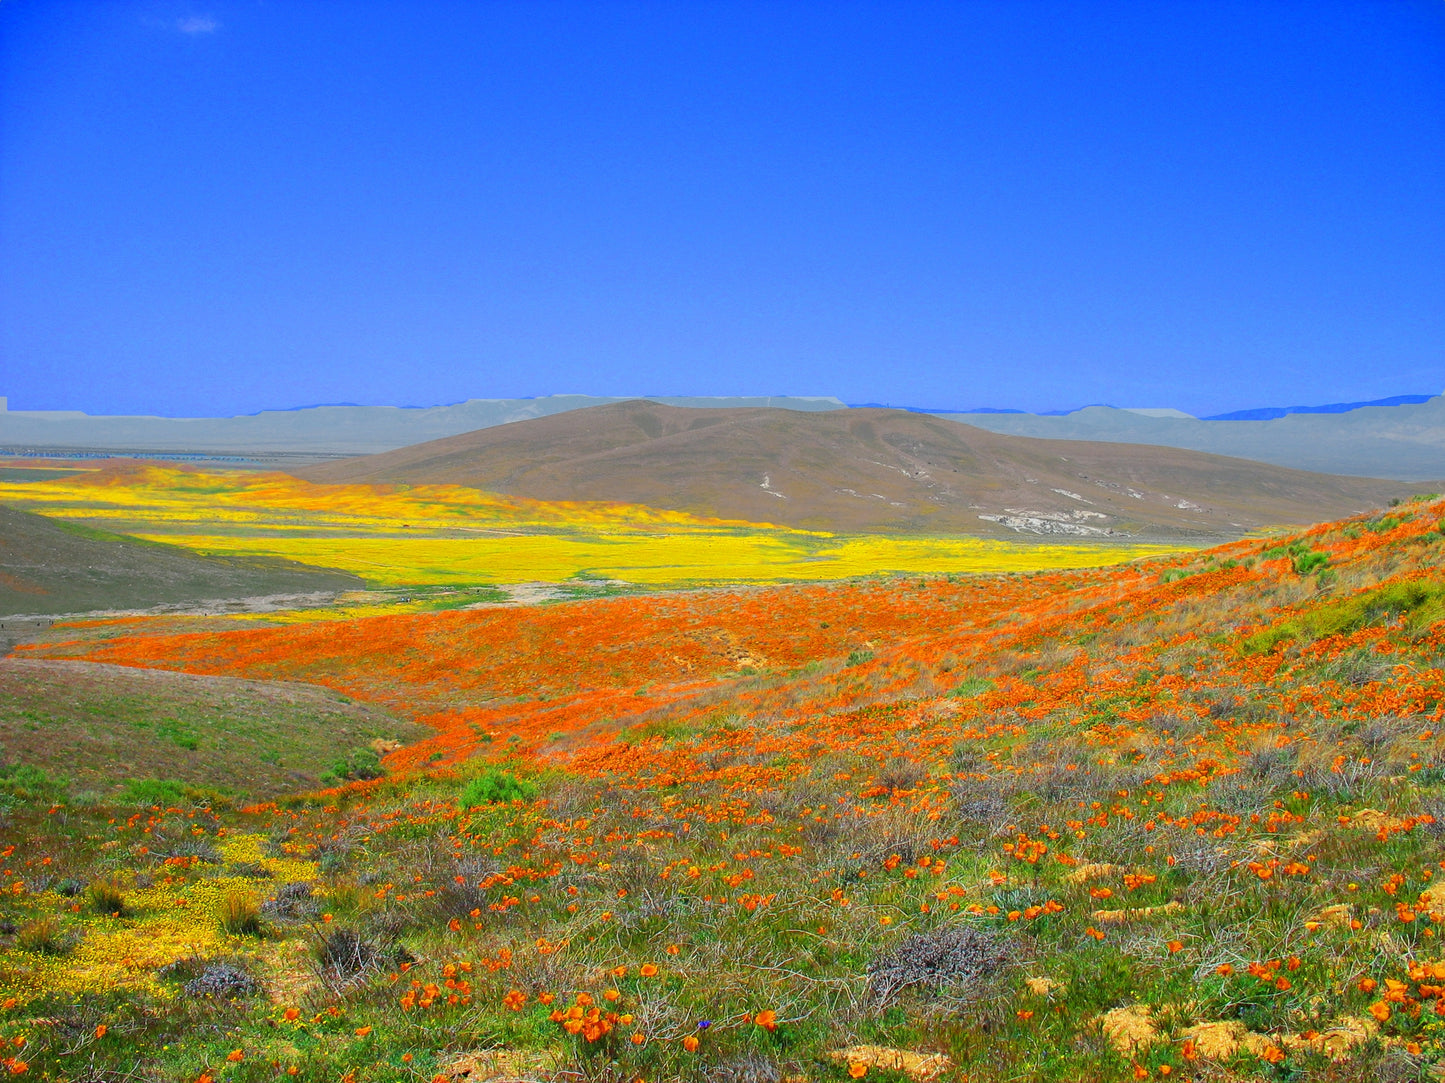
(1178, 820)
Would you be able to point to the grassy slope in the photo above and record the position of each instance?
(100, 726)
(1189, 813)
(54, 567)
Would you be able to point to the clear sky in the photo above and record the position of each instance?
(217, 208)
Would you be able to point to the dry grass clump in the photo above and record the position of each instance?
(951, 957)
(345, 953)
(222, 980)
(108, 897)
(293, 900)
(239, 914)
(42, 936)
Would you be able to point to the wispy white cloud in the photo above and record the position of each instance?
(197, 24)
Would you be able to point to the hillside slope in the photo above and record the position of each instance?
(1173, 820)
(50, 567)
(103, 726)
(868, 470)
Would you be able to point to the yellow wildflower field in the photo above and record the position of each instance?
(171, 918)
(396, 536)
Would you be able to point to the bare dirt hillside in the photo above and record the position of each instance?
(869, 470)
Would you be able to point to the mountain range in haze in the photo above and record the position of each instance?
(1401, 438)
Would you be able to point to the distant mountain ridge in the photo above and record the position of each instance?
(1401, 437)
(1269, 413)
(1404, 441)
(867, 470)
(321, 430)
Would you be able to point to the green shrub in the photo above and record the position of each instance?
(359, 765)
(1421, 602)
(973, 686)
(858, 657)
(178, 732)
(495, 787)
(154, 791)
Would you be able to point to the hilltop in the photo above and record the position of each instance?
(867, 470)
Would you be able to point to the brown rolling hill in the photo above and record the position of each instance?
(869, 470)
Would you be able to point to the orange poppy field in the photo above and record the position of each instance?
(1177, 818)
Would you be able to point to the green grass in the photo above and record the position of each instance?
(1421, 603)
(99, 727)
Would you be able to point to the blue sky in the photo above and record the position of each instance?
(223, 207)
